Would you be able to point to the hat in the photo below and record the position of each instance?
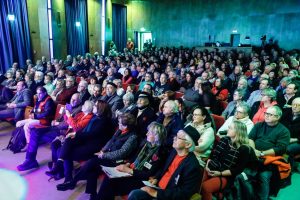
(193, 133)
(112, 84)
(144, 95)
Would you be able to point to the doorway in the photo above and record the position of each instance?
(142, 38)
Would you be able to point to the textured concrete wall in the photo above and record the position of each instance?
(94, 25)
(190, 22)
(59, 29)
(38, 26)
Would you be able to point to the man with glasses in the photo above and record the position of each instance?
(96, 93)
(180, 177)
(241, 114)
(269, 138)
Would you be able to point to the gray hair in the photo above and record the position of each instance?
(89, 106)
(174, 105)
(129, 97)
(84, 83)
(245, 107)
(270, 93)
(277, 110)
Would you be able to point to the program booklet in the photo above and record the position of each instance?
(112, 172)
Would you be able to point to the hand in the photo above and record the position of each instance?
(257, 153)
(152, 192)
(99, 154)
(31, 116)
(68, 114)
(124, 168)
(214, 173)
(71, 135)
(153, 181)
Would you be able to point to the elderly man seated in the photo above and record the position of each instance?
(180, 177)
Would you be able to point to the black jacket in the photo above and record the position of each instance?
(184, 182)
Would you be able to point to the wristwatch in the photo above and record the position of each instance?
(262, 153)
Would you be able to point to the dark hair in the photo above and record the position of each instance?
(42, 89)
(129, 71)
(204, 112)
(103, 109)
(128, 120)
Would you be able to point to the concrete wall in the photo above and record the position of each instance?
(38, 26)
(94, 25)
(59, 29)
(190, 22)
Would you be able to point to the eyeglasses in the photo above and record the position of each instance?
(270, 115)
(196, 114)
(176, 137)
(295, 105)
(239, 112)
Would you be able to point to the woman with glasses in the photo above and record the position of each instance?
(259, 108)
(230, 157)
(201, 121)
(145, 164)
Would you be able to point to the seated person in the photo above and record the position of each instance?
(269, 138)
(230, 157)
(231, 107)
(15, 108)
(146, 163)
(180, 177)
(42, 114)
(171, 120)
(292, 121)
(259, 108)
(85, 139)
(241, 114)
(59, 127)
(201, 121)
(5, 95)
(112, 98)
(120, 147)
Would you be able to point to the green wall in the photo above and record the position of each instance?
(59, 29)
(190, 22)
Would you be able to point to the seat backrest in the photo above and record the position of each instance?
(178, 95)
(219, 120)
(57, 111)
(27, 112)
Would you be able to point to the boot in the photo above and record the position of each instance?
(57, 169)
(29, 163)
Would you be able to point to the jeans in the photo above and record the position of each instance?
(264, 184)
(293, 150)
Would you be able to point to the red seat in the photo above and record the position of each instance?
(219, 120)
(178, 95)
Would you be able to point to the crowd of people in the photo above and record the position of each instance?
(151, 115)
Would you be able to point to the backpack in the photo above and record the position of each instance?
(17, 140)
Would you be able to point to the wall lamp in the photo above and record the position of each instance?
(11, 17)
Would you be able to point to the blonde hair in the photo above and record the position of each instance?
(241, 136)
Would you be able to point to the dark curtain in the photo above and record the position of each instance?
(15, 43)
(119, 23)
(77, 37)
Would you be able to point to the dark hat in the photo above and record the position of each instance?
(144, 95)
(112, 84)
(193, 133)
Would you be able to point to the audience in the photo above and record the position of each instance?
(159, 73)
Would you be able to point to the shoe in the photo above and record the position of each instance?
(57, 169)
(27, 165)
(69, 185)
(50, 165)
